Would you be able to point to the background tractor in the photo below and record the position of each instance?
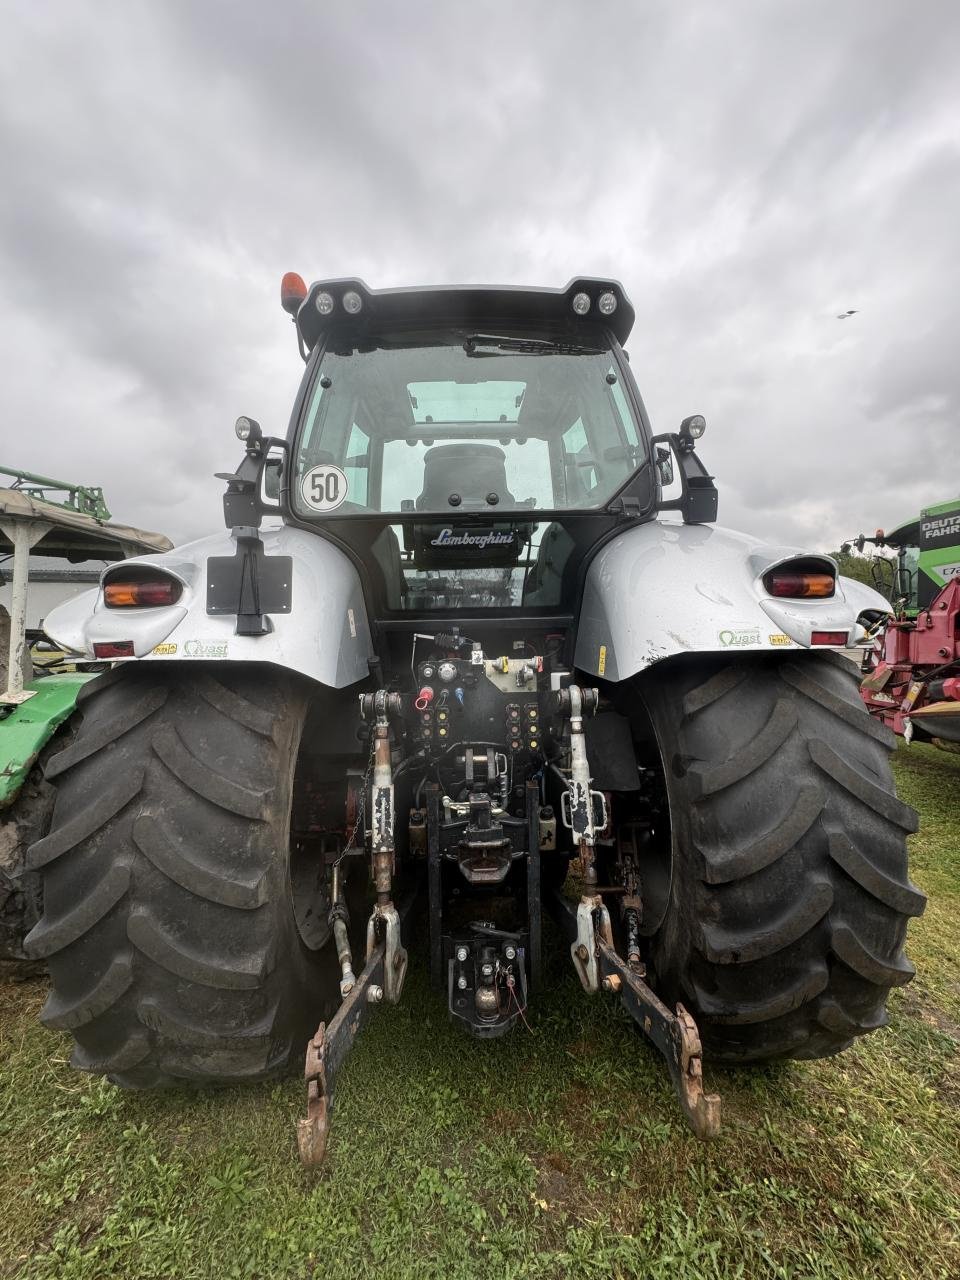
(39, 689)
(912, 672)
(496, 658)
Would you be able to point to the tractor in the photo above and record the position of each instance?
(57, 522)
(911, 675)
(469, 639)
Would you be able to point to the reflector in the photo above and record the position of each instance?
(829, 637)
(113, 649)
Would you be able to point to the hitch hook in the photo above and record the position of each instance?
(386, 920)
(593, 923)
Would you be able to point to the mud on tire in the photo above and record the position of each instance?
(788, 906)
(168, 920)
(21, 825)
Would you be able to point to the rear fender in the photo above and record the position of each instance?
(660, 589)
(325, 636)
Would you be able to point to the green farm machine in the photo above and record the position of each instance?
(66, 524)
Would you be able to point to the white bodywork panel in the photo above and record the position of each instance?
(661, 589)
(325, 636)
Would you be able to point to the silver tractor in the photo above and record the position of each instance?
(470, 637)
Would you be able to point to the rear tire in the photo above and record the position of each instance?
(789, 898)
(168, 921)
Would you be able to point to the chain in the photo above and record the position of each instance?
(360, 824)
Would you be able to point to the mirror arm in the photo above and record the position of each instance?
(698, 499)
(243, 507)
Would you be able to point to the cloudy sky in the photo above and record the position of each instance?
(748, 169)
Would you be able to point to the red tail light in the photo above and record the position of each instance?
(791, 582)
(829, 637)
(114, 649)
(144, 590)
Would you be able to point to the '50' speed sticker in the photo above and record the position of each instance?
(324, 488)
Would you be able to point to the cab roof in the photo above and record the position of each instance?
(471, 305)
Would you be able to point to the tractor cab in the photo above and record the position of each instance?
(927, 558)
(897, 577)
(470, 447)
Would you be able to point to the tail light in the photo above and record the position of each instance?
(140, 589)
(799, 581)
(113, 649)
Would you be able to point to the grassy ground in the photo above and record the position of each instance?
(559, 1153)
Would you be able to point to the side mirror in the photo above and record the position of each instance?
(272, 471)
(255, 488)
(665, 465)
(698, 500)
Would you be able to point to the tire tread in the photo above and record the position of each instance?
(790, 893)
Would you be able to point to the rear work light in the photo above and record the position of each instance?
(143, 591)
(114, 649)
(829, 637)
(792, 583)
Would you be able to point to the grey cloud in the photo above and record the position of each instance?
(747, 169)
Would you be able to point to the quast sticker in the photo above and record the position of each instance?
(164, 650)
(205, 648)
(602, 660)
(324, 488)
(738, 637)
(352, 623)
(779, 639)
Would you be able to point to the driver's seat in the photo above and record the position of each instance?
(470, 470)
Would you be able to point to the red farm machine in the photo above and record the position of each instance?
(912, 675)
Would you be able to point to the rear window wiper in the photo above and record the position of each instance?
(486, 344)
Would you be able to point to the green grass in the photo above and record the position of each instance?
(560, 1153)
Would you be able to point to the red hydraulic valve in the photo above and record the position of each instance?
(424, 698)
